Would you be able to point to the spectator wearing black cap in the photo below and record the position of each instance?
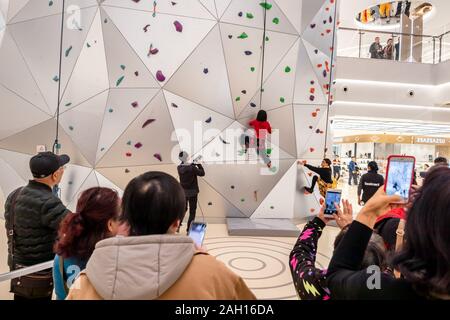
(369, 183)
(32, 215)
(441, 161)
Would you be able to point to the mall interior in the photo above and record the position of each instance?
(240, 101)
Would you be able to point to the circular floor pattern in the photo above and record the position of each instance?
(262, 262)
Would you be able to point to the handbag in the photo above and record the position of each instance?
(32, 286)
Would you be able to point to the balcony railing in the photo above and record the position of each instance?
(430, 49)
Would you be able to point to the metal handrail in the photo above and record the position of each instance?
(26, 271)
(391, 33)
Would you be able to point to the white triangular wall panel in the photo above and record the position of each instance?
(196, 126)
(293, 11)
(90, 75)
(39, 42)
(173, 46)
(203, 78)
(310, 8)
(41, 8)
(22, 83)
(126, 69)
(279, 203)
(243, 184)
(154, 144)
(251, 14)
(84, 123)
(321, 66)
(319, 32)
(189, 8)
(122, 108)
(308, 89)
(279, 87)
(210, 6)
(4, 5)
(90, 182)
(214, 205)
(74, 176)
(43, 134)
(120, 177)
(10, 180)
(13, 7)
(310, 127)
(221, 6)
(20, 163)
(106, 183)
(19, 115)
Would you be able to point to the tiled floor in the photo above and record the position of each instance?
(262, 262)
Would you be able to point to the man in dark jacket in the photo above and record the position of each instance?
(376, 50)
(33, 213)
(369, 183)
(188, 173)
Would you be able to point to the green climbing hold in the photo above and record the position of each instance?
(276, 20)
(272, 207)
(111, 110)
(238, 98)
(287, 69)
(50, 3)
(266, 5)
(68, 104)
(242, 200)
(58, 146)
(122, 67)
(88, 45)
(267, 38)
(268, 151)
(71, 128)
(252, 69)
(243, 36)
(119, 81)
(129, 143)
(282, 100)
(68, 51)
(249, 15)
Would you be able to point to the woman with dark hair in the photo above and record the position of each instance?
(369, 183)
(262, 128)
(325, 177)
(310, 281)
(96, 218)
(423, 261)
(154, 262)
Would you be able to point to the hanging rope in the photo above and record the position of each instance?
(263, 55)
(55, 147)
(330, 83)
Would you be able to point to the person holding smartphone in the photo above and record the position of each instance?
(188, 173)
(424, 258)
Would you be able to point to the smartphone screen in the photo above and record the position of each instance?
(399, 176)
(332, 196)
(197, 232)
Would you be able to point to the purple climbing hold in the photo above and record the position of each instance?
(240, 14)
(208, 120)
(160, 76)
(146, 123)
(247, 53)
(253, 105)
(312, 98)
(178, 26)
(205, 70)
(313, 25)
(158, 156)
(138, 145)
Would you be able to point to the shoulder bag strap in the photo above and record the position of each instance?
(399, 242)
(61, 271)
(12, 222)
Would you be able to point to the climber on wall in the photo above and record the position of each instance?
(262, 128)
(325, 180)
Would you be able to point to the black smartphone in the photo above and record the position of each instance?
(332, 196)
(197, 232)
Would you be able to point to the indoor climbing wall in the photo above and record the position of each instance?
(141, 80)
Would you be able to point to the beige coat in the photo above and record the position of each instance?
(165, 267)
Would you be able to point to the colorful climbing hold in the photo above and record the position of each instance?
(56, 78)
(119, 81)
(249, 15)
(135, 104)
(146, 123)
(160, 76)
(158, 156)
(178, 26)
(276, 20)
(68, 51)
(252, 69)
(208, 120)
(248, 53)
(282, 99)
(238, 99)
(122, 66)
(205, 70)
(138, 145)
(266, 5)
(243, 36)
(128, 154)
(287, 69)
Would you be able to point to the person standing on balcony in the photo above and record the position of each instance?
(376, 50)
(388, 51)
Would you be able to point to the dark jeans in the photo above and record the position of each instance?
(353, 176)
(313, 182)
(336, 173)
(192, 201)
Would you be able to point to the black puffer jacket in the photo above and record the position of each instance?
(38, 213)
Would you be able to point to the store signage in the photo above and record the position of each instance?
(430, 140)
